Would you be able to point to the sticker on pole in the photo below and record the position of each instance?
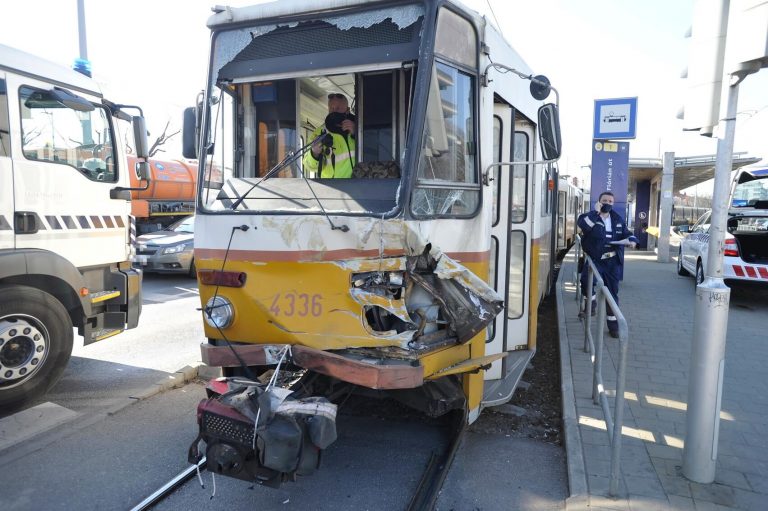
(615, 118)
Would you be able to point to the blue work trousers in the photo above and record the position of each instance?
(610, 272)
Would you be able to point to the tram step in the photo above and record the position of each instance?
(498, 392)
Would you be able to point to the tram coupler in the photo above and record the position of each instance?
(260, 434)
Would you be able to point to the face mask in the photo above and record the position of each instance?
(606, 208)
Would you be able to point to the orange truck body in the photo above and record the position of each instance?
(171, 193)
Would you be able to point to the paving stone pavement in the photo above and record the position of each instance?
(658, 305)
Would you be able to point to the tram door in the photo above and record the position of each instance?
(510, 240)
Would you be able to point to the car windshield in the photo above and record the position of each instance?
(184, 226)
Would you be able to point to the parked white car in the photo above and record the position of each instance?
(745, 256)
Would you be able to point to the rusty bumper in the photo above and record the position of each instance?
(366, 374)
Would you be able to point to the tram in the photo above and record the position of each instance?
(686, 215)
(570, 204)
(420, 276)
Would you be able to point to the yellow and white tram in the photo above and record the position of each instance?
(423, 272)
(570, 204)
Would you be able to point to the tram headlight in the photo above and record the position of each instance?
(219, 312)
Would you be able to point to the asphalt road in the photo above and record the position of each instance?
(375, 464)
(168, 337)
(102, 448)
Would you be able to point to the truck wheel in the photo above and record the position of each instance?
(35, 344)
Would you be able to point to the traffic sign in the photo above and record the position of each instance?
(615, 118)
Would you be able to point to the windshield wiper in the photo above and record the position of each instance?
(289, 158)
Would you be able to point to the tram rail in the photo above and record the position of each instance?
(424, 496)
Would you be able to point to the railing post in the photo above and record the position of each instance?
(614, 423)
(588, 307)
(598, 354)
(577, 273)
(618, 420)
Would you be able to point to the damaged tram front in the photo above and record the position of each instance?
(417, 274)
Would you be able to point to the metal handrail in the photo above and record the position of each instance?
(613, 423)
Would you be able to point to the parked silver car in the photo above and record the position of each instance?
(169, 250)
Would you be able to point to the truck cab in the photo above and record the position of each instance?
(65, 228)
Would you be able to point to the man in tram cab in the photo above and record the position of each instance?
(604, 236)
(333, 150)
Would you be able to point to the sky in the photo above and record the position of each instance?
(154, 53)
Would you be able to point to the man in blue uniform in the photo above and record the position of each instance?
(602, 230)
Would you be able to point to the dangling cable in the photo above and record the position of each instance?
(210, 308)
(286, 350)
(199, 477)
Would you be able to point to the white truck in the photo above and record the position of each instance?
(65, 229)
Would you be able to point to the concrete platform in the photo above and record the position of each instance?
(659, 305)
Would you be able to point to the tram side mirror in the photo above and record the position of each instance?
(549, 131)
(140, 136)
(683, 229)
(189, 134)
(540, 87)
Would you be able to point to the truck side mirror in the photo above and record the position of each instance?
(140, 136)
(142, 170)
(549, 131)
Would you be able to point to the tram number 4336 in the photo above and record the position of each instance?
(296, 304)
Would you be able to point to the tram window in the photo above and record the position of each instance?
(493, 279)
(267, 110)
(519, 177)
(456, 38)
(447, 183)
(5, 127)
(517, 271)
(223, 121)
(545, 193)
(494, 172)
(378, 106)
(273, 105)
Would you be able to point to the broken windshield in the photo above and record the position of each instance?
(320, 106)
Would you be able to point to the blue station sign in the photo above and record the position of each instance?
(610, 172)
(615, 118)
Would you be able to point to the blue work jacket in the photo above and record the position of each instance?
(595, 242)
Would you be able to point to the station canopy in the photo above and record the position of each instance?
(689, 170)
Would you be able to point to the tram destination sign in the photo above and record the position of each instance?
(610, 172)
(615, 118)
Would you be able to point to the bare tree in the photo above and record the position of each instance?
(162, 139)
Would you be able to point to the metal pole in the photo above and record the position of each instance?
(81, 29)
(618, 420)
(710, 322)
(665, 213)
